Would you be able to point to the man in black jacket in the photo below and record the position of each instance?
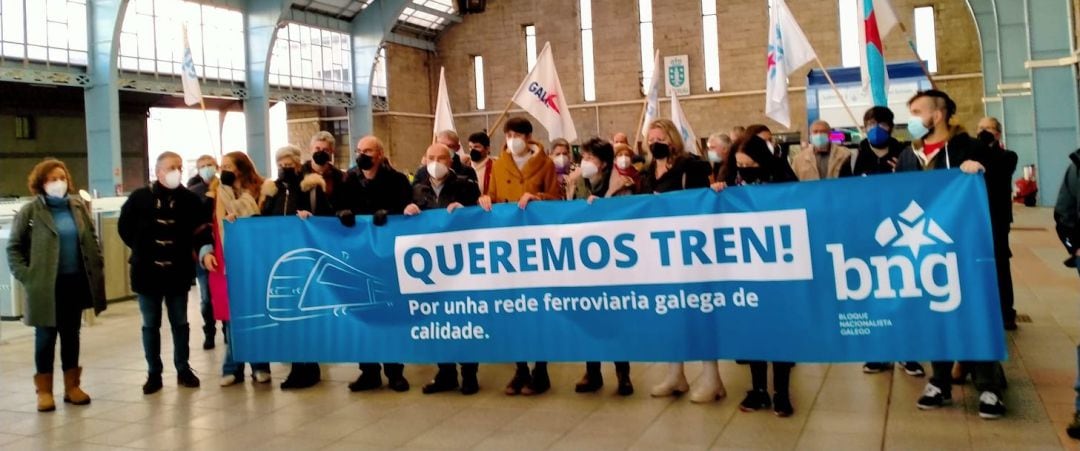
(200, 185)
(879, 152)
(1067, 218)
(373, 188)
(322, 163)
(292, 195)
(939, 145)
(159, 224)
(999, 189)
(443, 188)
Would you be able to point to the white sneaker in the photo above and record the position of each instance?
(674, 384)
(262, 377)
(227, 380)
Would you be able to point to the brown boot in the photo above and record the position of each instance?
(72, 393)
(45, 401)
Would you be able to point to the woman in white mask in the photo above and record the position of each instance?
(64, 279)
(566, 170)
(599, 179)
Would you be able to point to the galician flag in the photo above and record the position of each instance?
(652, 96)
(444, 118)
(878, 19)
(690, 140)
(788, 50)
(541, 95)
(188, 77)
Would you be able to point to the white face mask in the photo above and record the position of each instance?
(714, 156)
(623, 162)
(516, 146)
(588, 169)
(437, 170)
(171, 179)
(560, 161)
(56, 188)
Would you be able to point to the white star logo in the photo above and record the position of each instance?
(913, 237)
(915, 231)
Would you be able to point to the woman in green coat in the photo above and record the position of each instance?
(55, 253)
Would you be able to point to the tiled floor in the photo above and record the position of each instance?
(837, 407)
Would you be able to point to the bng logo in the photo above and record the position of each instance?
(921, 273)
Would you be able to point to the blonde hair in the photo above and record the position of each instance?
(674, 138)
(620, 148)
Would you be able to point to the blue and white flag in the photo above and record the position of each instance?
(690, 140)
(782, 272)
(188, 77)
(788, 50)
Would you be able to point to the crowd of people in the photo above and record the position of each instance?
(175, 234)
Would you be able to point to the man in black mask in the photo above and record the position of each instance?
(322, 162)
(999, 189)
(480, 156)
(373, 188)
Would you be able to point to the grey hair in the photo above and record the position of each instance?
(323, 136)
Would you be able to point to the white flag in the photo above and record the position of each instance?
(188, 77)
(444, 118)
(652, 97)
(541, 95)
(788, 50)
(690, 140)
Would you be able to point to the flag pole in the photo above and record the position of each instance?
(838, 95)
(502, 116)
(640, 123)
(915, 51)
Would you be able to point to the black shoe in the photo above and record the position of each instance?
(589, 383)
(755, 400)
(1074, 428)
(440, 384)
(540, 383)
(365, 383)
(398, 384)
(990, 406)
(934, 398)
(152, 385)
(1010, 325)
(782, 405)
(518, 383)
(626, 388)
(187, 379)
(300, 378)
(469, 384)
(914, 369)
(742, 362)
(208, 343)
(874, 367)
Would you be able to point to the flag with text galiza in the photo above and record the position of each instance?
(541, 95)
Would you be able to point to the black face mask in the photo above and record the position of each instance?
(476, 156)
(320, 158)
(987, 138)
(659, 150)
(751, 176)
(289, 175)
(227, 178)
(365, 162)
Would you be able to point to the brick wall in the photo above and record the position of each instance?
(498, 36)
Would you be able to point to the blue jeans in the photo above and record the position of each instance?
(230, 366)
(176, 308)
(206, 308)
(71, 293)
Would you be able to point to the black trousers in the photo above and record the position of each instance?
(393, 370)
(1005, 288)
(987, 376)
(781, 371)
(593, 368)
(449, 370)
(524, 366)
(72, 297)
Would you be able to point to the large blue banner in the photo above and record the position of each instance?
(887, 268)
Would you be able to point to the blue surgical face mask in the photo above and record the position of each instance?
(819, 140)
(207, 172)
(917, 128)
(878, 137)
